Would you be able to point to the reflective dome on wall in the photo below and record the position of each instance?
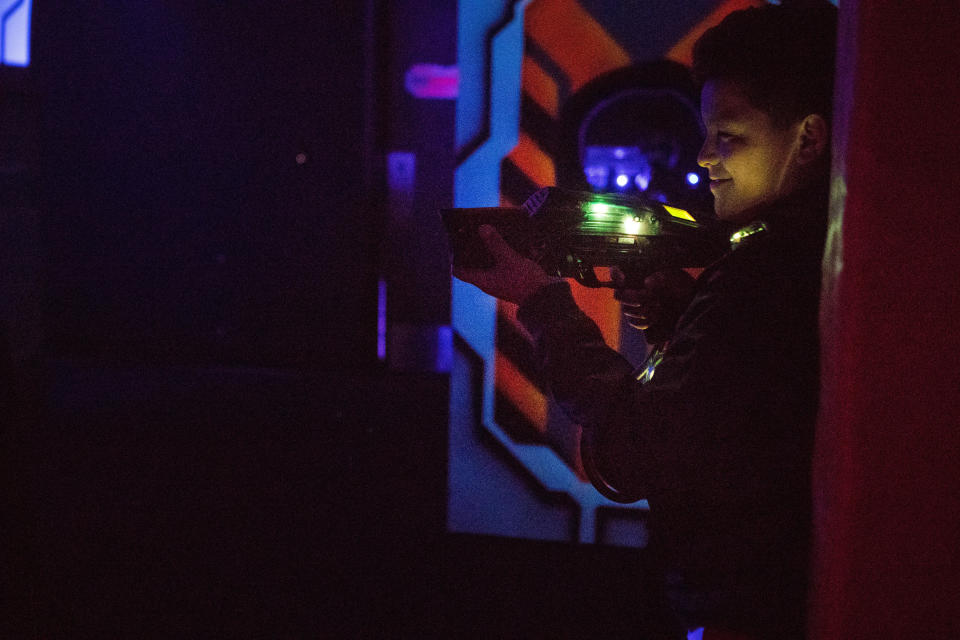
(636, 130)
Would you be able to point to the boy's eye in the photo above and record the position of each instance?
(724, 136)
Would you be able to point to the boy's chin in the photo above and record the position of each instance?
(736, 212)
(736, 215)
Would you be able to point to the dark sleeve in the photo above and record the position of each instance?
(631, 441)
(682, 428)
(582, 372)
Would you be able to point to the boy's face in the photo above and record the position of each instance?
(750, 160)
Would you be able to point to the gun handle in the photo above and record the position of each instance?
(633, 276)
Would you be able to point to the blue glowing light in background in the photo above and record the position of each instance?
(623, 180)
(15, 32)
(597, 176)
(693, 179)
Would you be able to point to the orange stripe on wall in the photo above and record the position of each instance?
(521, 393)
(534, 162)
(599, 304)
(602, 308)
(573, 39)
(538, 84)
(682, 52)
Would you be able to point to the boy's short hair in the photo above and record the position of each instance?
(782, 58)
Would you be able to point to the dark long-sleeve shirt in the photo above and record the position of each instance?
(719, 439)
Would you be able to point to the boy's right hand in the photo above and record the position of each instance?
(512, 278)
(656, 308)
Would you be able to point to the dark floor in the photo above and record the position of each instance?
(177, 502)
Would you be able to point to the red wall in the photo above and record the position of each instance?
(887, 471)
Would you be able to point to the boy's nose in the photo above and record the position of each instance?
(707, 155)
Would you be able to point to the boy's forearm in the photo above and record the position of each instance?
(583, 373)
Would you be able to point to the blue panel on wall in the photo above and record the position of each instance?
(15, 32)
(497, 485)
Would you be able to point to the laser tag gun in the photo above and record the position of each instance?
(570, 232)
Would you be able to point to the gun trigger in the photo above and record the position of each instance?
(587, 277)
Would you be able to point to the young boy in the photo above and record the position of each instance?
(719, 439)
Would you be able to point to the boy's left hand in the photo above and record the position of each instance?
(656, 307)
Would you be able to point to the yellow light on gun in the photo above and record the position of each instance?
(679, 213)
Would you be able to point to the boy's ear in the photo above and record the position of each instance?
(813, 138)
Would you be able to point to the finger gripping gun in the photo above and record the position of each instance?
(569, 233)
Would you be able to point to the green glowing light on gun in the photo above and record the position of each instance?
(604, 211)
(597, 209)
(633, 225)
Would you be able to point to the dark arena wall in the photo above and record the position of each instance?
(203, 182)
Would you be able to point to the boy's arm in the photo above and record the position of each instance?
(639, 439)
(595, 386)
